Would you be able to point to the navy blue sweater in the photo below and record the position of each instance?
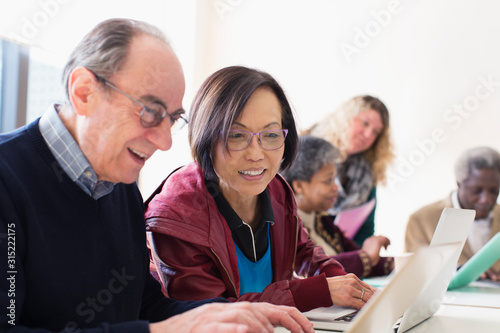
(69, 262)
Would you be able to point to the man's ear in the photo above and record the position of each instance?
(82, 85)
(297, 186)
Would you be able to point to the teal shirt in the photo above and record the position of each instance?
(255, 276)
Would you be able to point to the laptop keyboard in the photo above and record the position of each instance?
(347, 318)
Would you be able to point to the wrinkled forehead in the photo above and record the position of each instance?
(482, 177)
(152, 68)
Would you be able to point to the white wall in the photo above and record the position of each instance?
(423, 60)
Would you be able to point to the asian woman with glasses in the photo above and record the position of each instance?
(230, 218)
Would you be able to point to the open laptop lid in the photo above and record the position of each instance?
(453, 227)
(382, 310)
(477, 264)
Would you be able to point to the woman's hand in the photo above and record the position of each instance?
(372, 246)
(348, 290)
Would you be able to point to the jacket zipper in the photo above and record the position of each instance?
(225, 270)
(296, 241)
(253, 241)
(293, 261)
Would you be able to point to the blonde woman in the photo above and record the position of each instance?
(359, 128)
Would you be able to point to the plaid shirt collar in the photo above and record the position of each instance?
(69, 155)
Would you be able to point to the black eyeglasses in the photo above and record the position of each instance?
(269, 140)
(152, 115)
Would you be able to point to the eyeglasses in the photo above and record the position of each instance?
(152, 115)
(269, 140)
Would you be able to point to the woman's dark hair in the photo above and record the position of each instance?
(219, 102)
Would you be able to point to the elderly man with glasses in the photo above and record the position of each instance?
(74, 255)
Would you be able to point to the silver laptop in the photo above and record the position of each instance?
(387, 305)
(454, 226)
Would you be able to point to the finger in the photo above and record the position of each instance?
(245, 314)
(368, 287)
(302, 320)
(359, 285)
(367, 296)
(490, 275)
(258, 310)
(363, 295)
(352, 277)
(293, 320)
(222, 328)
(356, 303)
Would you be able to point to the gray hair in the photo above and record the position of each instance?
(313, 154)
(476, 158)
(104, 49)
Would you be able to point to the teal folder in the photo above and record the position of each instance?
(477, 264)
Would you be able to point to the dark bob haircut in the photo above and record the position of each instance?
(217, 105)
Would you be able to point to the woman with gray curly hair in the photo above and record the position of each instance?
(312, 178)
(359, 128)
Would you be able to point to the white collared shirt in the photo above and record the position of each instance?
(481, 228)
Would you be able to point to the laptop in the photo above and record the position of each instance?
(453, 226)
(387, 305)
(477, 264)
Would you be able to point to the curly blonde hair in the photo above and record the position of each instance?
(334, 128)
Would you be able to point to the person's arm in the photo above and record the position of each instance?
(342, 287)
(356, 262)
(198, 274)
(235, 317)
(384, 266)
(156, 307)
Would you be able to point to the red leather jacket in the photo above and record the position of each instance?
(194, 256)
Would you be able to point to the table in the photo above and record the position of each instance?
(473, 308)
(458, 318)
(479, 293)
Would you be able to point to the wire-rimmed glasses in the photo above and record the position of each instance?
(151, 115)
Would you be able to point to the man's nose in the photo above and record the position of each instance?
(161, 136)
